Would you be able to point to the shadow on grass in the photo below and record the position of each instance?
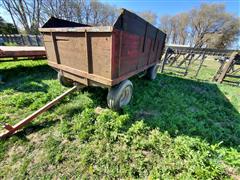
(179, 106)
(186, 107)
(33, 128)
(98, 95)
(27, 78)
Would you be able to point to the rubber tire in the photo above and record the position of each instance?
(64, 81)
(115, 94)
(152, 72)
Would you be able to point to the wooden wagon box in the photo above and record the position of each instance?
(103, 55)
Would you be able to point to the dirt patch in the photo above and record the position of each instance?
(37, 138)
(232, 172)
(12, 161)
(99, 110)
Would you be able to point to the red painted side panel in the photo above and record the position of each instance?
(130, 54)
(115, 53)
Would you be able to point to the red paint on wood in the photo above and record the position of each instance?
(132, 56)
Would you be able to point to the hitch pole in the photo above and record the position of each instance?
(12, 129)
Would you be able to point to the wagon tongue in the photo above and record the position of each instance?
(12, 129)
(6, 126)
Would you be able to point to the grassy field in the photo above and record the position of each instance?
(174, 128)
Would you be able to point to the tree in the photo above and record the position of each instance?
(182, 27)
(208, 26)
(31, 14)
(1, 22)
(60, 8)
(149, 16)
(25, 12)
(166, 26)
(176, 28)
(88, 12)
(102, 14)
(7, 28)
(212, 26)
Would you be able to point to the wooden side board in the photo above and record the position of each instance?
(84, 77)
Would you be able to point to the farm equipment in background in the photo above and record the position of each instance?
(16, 53)
(228, 69)
(22, 51)
(182, 57)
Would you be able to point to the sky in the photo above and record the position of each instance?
(171, 7)
(160, 7)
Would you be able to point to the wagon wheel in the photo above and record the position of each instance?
(152, 72)
(64, 81)
(120, 95)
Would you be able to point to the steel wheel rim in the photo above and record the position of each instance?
(126, 96)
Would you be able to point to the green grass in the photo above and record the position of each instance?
(174, 128)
